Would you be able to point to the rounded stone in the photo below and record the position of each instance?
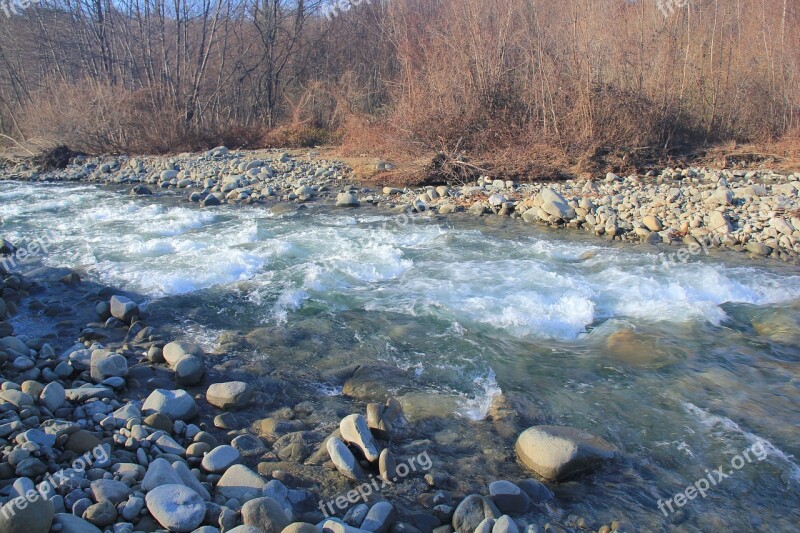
(220, 459)
(176, 507)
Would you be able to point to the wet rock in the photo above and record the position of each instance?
(176, 507)
(559, 453)
(757, 248)
(249, 445)
(536, 490)
(509, 498)
(778, 326)
(356, 515)
(347, 199)
(472, 511)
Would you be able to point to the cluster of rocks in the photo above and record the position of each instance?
(758, 213)
(102, 435)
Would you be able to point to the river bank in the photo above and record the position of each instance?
(755, 212)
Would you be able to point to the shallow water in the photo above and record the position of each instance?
(683, 366)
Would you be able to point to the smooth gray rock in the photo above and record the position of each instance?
(508, 497)
(220, 459)
(35, 517)
(240, 482)
(111, 490)
(176, 404)
(230, 395)
(559, 453)
(160, 472)
(105, 364)
(175, 351)
(343, 460)
(188, 478)
(189, 370)
(265, 514)
(123, 308)
(176, 507)
(52, 396)
(472, 511)
(505, 524)
(379, 518)
(355, 431)
(74, 524)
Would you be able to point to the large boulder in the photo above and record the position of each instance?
(559, 453)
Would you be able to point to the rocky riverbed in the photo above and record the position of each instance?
(755, 211)
(311, 421)
(124, 431)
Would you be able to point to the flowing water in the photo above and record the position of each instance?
(682, 365)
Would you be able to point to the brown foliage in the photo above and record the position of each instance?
(582, 83)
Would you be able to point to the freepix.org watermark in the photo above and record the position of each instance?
(51, 482)
(34, 248)
(15, 7)
(668, 7)
(712, 479)
(340, 6)
(363, 491)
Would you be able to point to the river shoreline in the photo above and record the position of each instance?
(756, 213)
(289, 442)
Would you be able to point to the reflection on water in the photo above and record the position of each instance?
(682, 368)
